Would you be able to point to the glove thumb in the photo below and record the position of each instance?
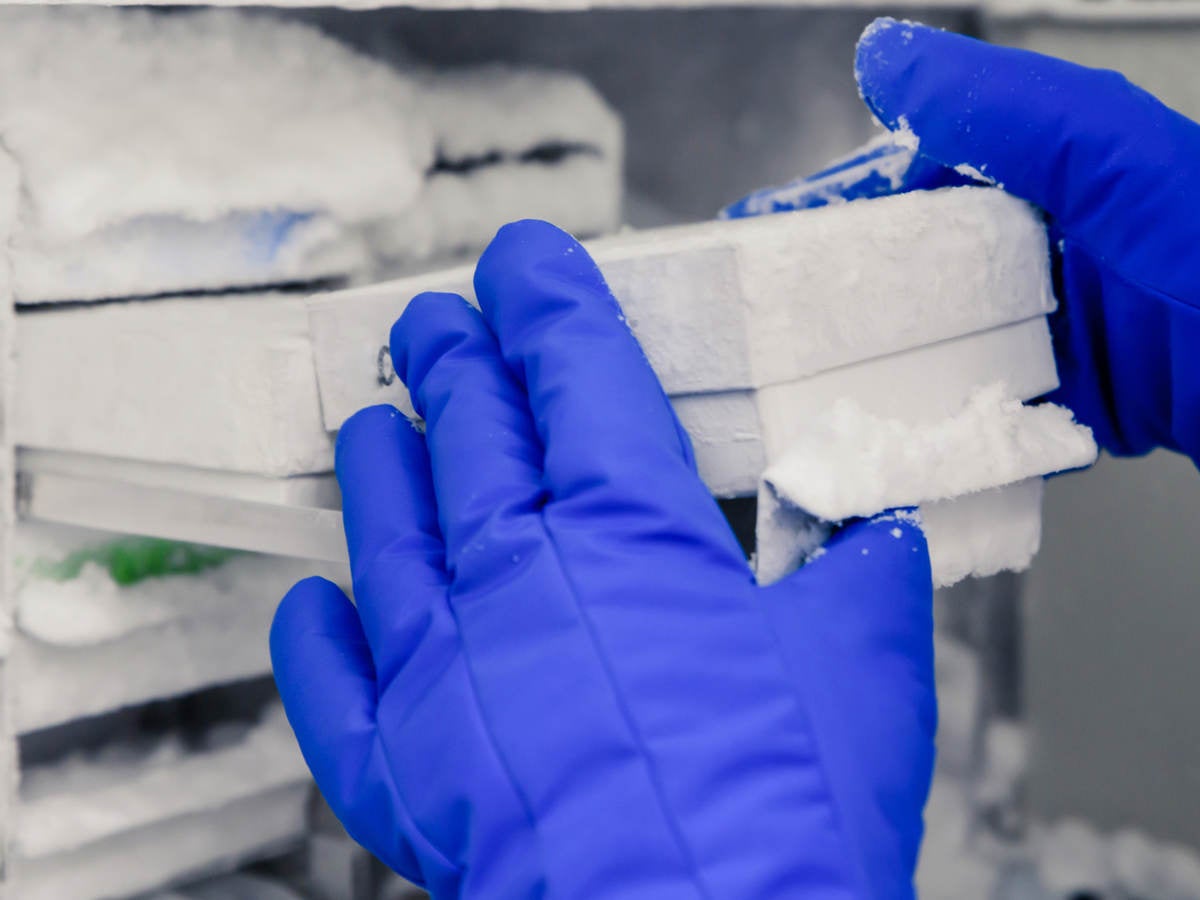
(326, 679)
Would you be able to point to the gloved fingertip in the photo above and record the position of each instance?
(317, 608)
(326, 679)
(527, 236)
(525, 259)
(886, 49)
(520, 243)
(323, 669)
(368, 433)
(362, 425)
(429, 325)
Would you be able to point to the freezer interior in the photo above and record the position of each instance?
(144, 751)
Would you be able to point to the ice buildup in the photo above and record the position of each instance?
(975, 477)
(105, 622)
(511, 144)
(305, 161)
(126, 817)
(135, 160)
(853, 463)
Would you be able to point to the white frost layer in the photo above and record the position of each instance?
(975, 477)
(460, 213)
(92, 609)
(982, 533)
(53, 685)
(977, 534)
(853, 463)
(454, 212)
(512, 111)
(87, 798)
(921, 386)
(215, 840)
(143, 174)
(118, 114)
(89, 645)
(502, 118)
(781, 297)
(219, 383)
(163, 254)
(744, 304)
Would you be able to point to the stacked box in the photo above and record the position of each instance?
(196, 172)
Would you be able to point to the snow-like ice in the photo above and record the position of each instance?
(854, 463)
(975, 476)
(984, 532)
(142, 173)
(194, 151)
(153, 255)
(460, 213)
(511, 144)
(89, 796)
(86, 644)
(114, 115)
(129, 816)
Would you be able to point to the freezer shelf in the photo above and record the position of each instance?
(105, 622)
(297, 517)
(100, 827)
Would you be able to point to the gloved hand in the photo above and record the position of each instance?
(560, 679)
(1118, 175)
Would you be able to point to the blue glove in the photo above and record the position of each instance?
(1118, 175)
(561, 679)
